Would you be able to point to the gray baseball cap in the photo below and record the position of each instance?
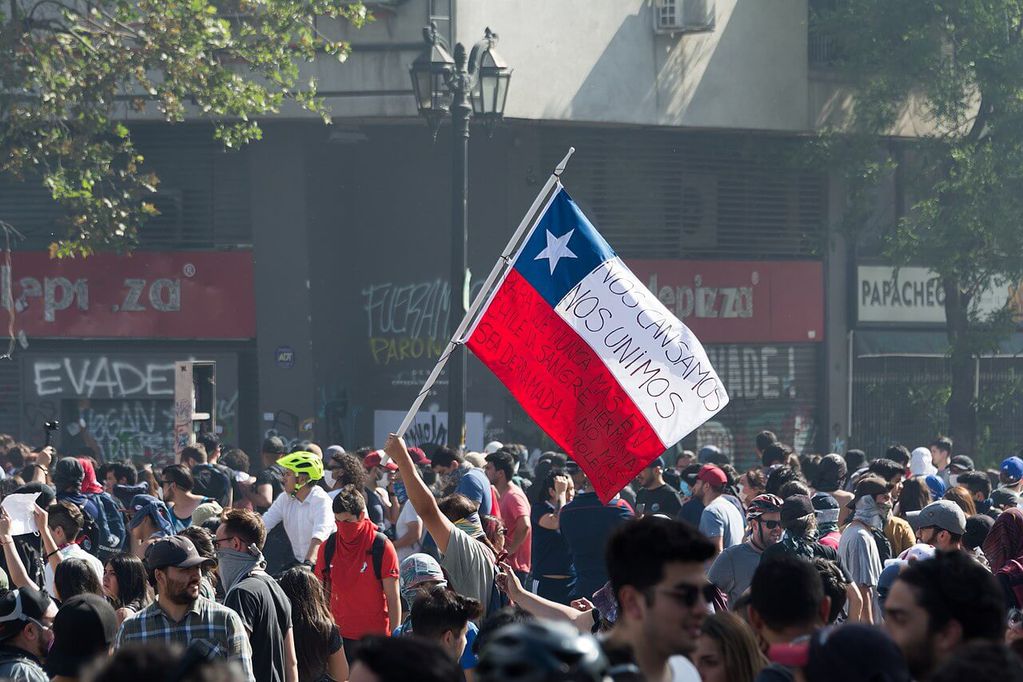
(943, 514)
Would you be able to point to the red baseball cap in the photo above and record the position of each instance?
(375, 458)
(419, 457)
(712, 474)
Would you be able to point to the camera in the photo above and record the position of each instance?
(50, 427)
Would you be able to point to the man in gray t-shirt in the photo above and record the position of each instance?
(720, 522)
(733, 569)
(857, 549)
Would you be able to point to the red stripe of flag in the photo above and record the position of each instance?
(563, 386)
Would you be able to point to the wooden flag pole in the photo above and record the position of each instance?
(540, 204)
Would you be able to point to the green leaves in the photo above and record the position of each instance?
(955, 69)
(69, 69)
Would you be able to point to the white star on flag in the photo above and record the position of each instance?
(557, 248)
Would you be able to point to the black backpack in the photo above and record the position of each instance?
(90, 537)
(376, 551)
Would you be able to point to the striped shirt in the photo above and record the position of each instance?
(220, 627)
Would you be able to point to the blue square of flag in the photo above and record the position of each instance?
(563, 248)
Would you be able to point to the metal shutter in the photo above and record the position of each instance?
(669, 194)
(29, 208)
(203, 195)
(10, 396)
(772, 387)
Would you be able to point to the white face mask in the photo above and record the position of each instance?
(328, 478)
(953, 479)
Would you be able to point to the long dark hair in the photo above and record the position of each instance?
(915, 495)
(311, 620)
(132, 587)
(73, 577)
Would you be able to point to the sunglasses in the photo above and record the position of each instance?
(689, 595)
(770, 525)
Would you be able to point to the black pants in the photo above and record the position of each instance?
(556, 589)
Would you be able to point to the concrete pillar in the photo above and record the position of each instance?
(837, 315)
(283, 310)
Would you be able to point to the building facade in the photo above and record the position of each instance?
(688, 118)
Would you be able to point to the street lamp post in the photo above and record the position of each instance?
(451, 85)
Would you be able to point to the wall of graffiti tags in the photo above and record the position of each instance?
(120, 404)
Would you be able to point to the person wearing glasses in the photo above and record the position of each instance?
(656, 567)
(658, 599)
(26, 622)
(801, 538)
(264, 608)
(732, 570)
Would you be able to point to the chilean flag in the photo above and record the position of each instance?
(591, 354)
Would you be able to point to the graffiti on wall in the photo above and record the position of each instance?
(124, 428)
(100, 377)
(771, 388)
(121, 406)
(406, 321)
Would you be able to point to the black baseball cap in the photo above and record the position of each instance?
(1003, 497)
(177, 551)
(961, 463)
(84, 628)
(275, 445)
(796, 507)
(977, 529)
(19, 607)
(67, 472)
(655, 462)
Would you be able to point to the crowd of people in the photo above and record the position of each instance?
(315, 564)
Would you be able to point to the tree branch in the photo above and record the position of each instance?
(980, 121)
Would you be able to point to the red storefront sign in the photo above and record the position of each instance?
(166, 295)
(740, 301)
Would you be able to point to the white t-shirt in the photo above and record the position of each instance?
(72, 552)
(304, 520)
(407, 516)
(683, 670)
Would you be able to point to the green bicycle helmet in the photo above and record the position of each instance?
(302, 462)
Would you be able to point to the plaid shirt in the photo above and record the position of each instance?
(207, 620)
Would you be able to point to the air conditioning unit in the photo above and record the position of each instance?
(683, 16)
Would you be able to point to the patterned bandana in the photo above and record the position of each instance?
(471, 526)
(415, 570)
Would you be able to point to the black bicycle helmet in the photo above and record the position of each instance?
(541, 651)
